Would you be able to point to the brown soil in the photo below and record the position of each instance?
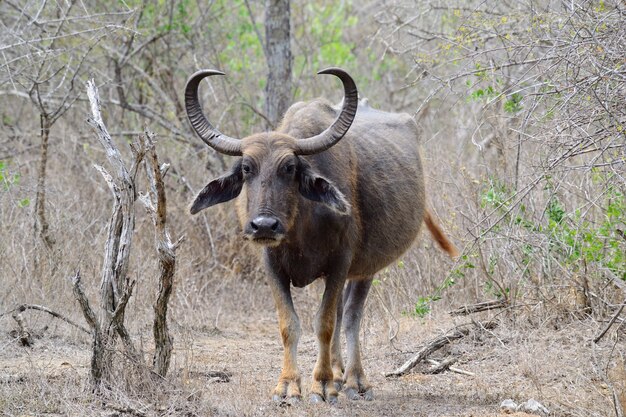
(51, 377)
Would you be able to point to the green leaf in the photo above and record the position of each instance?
(513, 104)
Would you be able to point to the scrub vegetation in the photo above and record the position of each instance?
(522, 117)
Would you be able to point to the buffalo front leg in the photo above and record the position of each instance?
(288, 386)
(323, 387)
(336, 360)
(356, 385)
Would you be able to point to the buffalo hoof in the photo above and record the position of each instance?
(354, 394)
(286, 400)
(338, 384)
(323, 390)
(287, 392)
(318, 399)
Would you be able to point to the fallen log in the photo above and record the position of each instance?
(436, 344)
(476, 308)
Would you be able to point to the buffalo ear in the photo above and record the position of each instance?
(317, 188)
(220, 190)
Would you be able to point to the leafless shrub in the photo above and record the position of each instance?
(537, 90)
(46, 48)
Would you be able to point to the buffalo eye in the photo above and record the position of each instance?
(246, 169)
(289, 169)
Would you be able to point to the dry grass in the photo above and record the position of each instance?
(223, 318)
(559, 366)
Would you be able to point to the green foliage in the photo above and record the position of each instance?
(496, 194)
(513, 104)
(555, 212)
(573, 239)
(162, 17)
(8, 178)
(243, 52)
(326, 26)
(576, 241)
(423, 305)
(488, 93)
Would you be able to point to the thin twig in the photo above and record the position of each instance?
(125, 410)
(617, 406)
(610, 323)
(25, 307)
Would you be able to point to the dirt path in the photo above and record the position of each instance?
(51, 378)
(253, 355)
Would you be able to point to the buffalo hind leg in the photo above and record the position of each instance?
(356, 385)
(323, 386)
(288, 386)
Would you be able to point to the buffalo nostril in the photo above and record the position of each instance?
(264, 224)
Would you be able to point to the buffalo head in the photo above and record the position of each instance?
(270, 177)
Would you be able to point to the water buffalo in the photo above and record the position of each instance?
(323, 208)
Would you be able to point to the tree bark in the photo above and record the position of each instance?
(155, 203)
(279, 60)
(115, 288)
(41, 223)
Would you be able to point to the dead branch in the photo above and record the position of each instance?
(25, 307)
(117, 320)
(155, 203)
(436, 344)
(441, 366)
(122, 223)
(619, 283)
(451, 368)
(115, 290)
(475, 308)
(125, 410)
(98, 357)
(80, 296)
(610, 323)
(22, 333)
(212, 375)
(121, 226)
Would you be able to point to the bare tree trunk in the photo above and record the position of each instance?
(279, 59)
(155, 203)
(41, 223)
(115, 290)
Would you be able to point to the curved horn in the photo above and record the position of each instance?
(210, 135)
(340, 126)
